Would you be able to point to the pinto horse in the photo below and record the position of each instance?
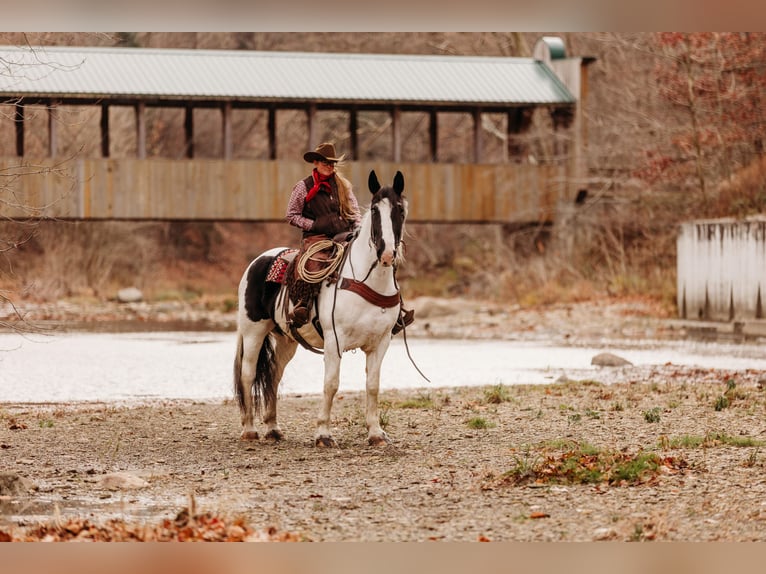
(358, 311)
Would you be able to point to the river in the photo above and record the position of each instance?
(130, 367)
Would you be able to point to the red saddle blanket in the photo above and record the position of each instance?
(279, 266)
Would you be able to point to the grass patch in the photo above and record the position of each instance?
(479, 423)
(422, 401)
(383, 416)
(710, 440)
(721, 403)
(497, 394)
(582, 463)
(652, 415)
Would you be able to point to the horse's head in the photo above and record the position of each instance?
(388, 210)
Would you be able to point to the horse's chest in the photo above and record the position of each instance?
(364, 320)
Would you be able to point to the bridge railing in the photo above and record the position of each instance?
(254, 190)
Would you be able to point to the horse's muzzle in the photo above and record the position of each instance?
(387, 258)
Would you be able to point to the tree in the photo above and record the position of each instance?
(716, 79)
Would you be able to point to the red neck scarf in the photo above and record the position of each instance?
(320, 182)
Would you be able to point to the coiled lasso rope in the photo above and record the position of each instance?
(332, 262)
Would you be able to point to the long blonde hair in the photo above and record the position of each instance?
(344, 193)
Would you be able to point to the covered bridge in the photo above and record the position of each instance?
(96, 184)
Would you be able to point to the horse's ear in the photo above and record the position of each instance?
(398, 183)
(373, 183)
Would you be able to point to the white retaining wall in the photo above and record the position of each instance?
(722, 269)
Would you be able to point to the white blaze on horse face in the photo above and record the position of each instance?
(387, 232)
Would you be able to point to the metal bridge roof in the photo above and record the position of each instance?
(258, 76)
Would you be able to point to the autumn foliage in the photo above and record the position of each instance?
(205, 527)
(715, 83)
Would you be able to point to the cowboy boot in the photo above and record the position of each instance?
(406, 318)
(299, 316)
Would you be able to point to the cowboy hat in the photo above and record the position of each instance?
(323, 152)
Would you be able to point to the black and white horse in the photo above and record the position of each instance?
(356, 312)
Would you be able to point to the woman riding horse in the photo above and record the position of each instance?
(357, 310)
(322, 206)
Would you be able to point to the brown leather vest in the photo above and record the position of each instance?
(321, 204)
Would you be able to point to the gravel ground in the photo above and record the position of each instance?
(670, 453)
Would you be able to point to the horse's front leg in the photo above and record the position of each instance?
(323, 436)
(376, 436)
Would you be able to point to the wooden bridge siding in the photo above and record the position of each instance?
(259, 190)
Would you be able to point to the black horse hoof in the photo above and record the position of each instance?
(275, 435)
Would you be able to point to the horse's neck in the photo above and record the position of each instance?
(362, 258)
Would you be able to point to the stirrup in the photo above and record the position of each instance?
(299, 316)
(406, 317)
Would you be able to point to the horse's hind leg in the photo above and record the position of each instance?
(245, 369)
(284, 350)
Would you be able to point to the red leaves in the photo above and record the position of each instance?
(202, 528)
(13, 424)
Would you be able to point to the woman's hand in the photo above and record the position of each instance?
(329, 224)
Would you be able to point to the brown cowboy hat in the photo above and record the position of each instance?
(323, 152)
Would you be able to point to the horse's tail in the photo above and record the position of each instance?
(263, 386)
(239, 392)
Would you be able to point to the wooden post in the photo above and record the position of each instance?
(272, 133)
(189, 130)
(141, 130)
(353, 128)
(396, 116)
(52, 128)
(519, 120)
(310, 117)
(227, 131)
(433, 135)
(19, 124)
(104, 130)
(477, 135)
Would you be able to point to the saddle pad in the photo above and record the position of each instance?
(279, 266)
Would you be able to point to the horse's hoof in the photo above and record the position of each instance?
(249, 435)
(382, 440)
(326, 442)
(274, 434)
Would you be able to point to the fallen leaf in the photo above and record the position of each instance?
(539, 515)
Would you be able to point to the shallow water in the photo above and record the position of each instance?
(126, 367)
